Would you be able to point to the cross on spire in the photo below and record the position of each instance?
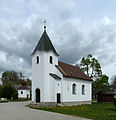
(44, 25)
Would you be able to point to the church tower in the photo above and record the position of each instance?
(44, 60)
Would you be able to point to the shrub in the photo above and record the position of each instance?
(15, 95)
(7, 90)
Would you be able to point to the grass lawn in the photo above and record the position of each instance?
(96, 111)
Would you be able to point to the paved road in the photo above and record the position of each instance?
(18, 111)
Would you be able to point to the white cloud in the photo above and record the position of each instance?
(106, 20)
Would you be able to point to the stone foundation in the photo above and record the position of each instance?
(76, 103)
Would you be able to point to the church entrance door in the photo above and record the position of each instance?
(58, 97)
(37, 95)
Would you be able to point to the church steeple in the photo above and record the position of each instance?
(45, 43)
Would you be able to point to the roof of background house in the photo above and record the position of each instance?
(17, 86)
(109, 92)
(23, 87)
(45, 44)
(72, 71)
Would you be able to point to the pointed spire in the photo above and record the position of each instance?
(44, 25)
(45, 43)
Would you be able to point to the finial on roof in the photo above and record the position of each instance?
(44, 25)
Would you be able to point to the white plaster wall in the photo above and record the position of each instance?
(67, 90)
(40, 75)
(49, 86)
(58, 88)
(55, 85)
(24, 95)
(0, 81)
(36, 73)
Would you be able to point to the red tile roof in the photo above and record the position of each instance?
(23, 87)
(72, 71)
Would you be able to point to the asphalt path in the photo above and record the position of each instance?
(18, 111)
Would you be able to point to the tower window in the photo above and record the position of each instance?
(74, 88)
(51, 60)
(83, 89)
(21, 92)
(37, 59)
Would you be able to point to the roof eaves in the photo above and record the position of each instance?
(78, 78)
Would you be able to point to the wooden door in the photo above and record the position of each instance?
(58, 97)
(37, 95)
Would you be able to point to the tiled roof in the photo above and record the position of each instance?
(72, 71)
(23, 87)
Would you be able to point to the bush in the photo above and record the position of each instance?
(15, 95)
(7, 90)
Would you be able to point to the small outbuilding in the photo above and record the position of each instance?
(105, 97)
(24, 91)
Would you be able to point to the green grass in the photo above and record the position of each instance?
(96, 111)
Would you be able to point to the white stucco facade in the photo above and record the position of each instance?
(41, 78)
(49, 86)
(24, 94)
(49, 83)
(78, 96)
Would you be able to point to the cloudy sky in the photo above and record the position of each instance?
(76, 28)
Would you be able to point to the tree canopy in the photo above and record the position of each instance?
(92, 68)
(10, 76)
(7, 90)
(14, 77)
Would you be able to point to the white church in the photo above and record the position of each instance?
(54, 81)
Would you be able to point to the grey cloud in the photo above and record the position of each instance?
(81, 40)
(72, 36)
(73, 41)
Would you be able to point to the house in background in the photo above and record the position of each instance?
(24, 91)
(106, 96)
(55, 81)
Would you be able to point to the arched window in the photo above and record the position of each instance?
(74, 88)
(51, 59)
(37, 59)
(83, 89)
